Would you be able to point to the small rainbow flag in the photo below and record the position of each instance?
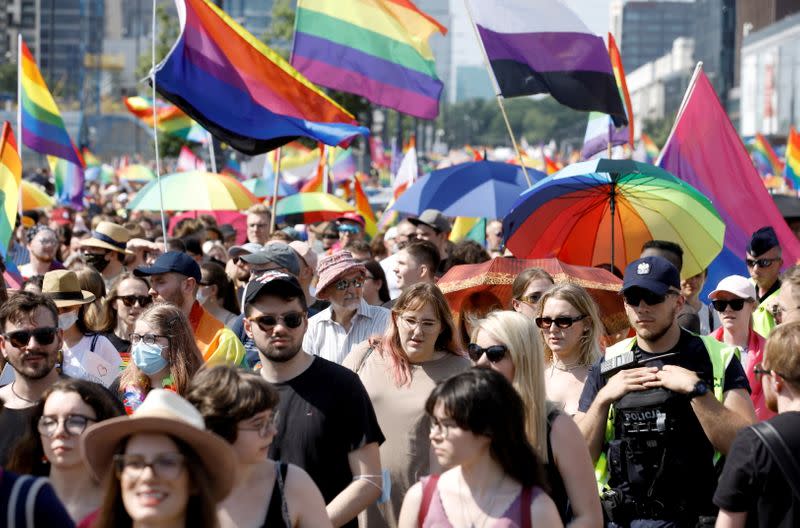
(551, 166)
(171, 119)
(792, 167)
(364, 208)
(89, 158)
(10, 181)
(43, 128)
(69, 180)
(650, 148)
(764, 155)
(342, 164)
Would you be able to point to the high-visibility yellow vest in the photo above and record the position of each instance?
(720, 355)
(763, 321)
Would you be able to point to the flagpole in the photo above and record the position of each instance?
(697, 69)
(276, 174)
(498, 94)
(19, 115)
(211, 154)
(155, 132)
(326, 172)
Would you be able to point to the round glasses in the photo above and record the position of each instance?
(149, 339)
(441, 428)
(263, 427)
(425, 326)
(165, 465)
(74, 424)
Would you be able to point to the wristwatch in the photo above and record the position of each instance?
(700, 389)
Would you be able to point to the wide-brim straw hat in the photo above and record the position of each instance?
(162, 412)
(332, 267)
(109, 235)
(63, 288)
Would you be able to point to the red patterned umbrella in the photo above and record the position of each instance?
(493, 279)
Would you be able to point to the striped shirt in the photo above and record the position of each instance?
(328, 339)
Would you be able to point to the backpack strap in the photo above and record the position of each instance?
(525, 506)
(282, 469)
(781, 454)
(30, 501)
(94, 342)
(25, 490)
(427, 496)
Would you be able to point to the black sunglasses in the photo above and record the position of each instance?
(290, 320)
(493, 353)
(130, 300)
(561, 322)
(735, 304)
(762, 262)
(633, 297)
(21, 338)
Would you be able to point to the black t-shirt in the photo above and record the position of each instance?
(324, 414)
(753, 482)
(13, 426)
(123, 346)
(691, 477)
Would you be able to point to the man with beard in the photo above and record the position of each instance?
(349, 320)
(757, 488)
(106, 250)
(42, 247)
(327, 424)
(174, 278)
(677, 398)
(30, 342)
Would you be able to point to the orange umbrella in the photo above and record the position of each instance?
(493, 279)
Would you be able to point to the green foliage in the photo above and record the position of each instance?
(659, 129)
(8, 78)
(281, 30)
(168, 31)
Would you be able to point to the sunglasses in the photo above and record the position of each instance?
(343, 284)
(21, 338)
(348, 229)
(561, 322)
(762, 262)
(493, 353)
(633, 297)
(289, 320)
(130, 300)
(532, 298)
(735, 304)
(330, 236)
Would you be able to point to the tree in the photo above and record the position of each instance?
(8, 79)
(659, 129)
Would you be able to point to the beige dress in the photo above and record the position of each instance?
(406, 453)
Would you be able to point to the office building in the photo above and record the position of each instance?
(650, 27)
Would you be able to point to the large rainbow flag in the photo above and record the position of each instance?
(171, 119)
(766, 160)
(792, 166)
(240, 90)
(600, 131)
(43, 128)
(10, 181)
(377, 49)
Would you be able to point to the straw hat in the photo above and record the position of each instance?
(162, 412)
(109, 235)
(63, 288)
(332, 267)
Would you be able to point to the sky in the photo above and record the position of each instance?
(594, 13)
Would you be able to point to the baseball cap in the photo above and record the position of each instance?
(306, 253)
(276, 282)
(244, 249)
(276, 253)
(171, 262)
(352, 217)
(737, 285)
(432, 218)
(655, 274)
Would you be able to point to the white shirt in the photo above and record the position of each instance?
(328, 339)
(391, 279)
(101, 366)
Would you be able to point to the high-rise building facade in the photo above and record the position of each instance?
(650, 27)
(254, 15)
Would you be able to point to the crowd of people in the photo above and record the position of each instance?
(310, 377)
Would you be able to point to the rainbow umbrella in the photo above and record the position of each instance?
(34, 197)
(194, 191)
(136, 173)
(103, 173)
(570, 215)
(310, 207)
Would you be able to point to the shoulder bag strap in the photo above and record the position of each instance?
(525, 503)
(280, 476)
(780, 454)
(427, 496)
(30, 501)
(94, 342)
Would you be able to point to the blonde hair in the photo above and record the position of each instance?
(94, 314)
(781, 352)
(524, 344)
(580, 299)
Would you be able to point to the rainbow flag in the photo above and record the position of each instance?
(377, 49)
(43, 128)
(364, 208)
(792, 166)
(766, 159)
(171, 119)
(10, 181)
(551, 166)
(650, 148)
(600, 131)
(240, 90)
(342, 165)
(466, 228)
(69, 180)
(89, 158)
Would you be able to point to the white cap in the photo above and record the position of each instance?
(737, 285)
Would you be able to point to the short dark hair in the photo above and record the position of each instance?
(666, 246)
(425, 253)
(359, 246)
(376, 270)
(225, 396)
(467, 252)
(21, 306)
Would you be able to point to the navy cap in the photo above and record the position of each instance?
(171, 262)
(655, 274)
(277, 253)
(762, 241)
(276, 282)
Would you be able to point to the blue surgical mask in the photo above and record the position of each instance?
(148, 358)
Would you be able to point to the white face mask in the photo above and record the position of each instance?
(66, 320)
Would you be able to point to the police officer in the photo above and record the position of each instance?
(764, 264)
(656, 408)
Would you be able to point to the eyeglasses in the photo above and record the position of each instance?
(759, 370)
(762, 262)
(74, 424)
(330, 236)
(735, 304)
(165, 465)
(425, 325)
(149, 339)
(268, 322)
(343, 284)
(441, 429)
(532, 298)
(778, 311)
(263, 428)
(561, 322)
(130, 300)
(494, 353)
(21, 338)
(634, 296)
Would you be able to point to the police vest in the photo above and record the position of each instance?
(763, 320)
(720, 355)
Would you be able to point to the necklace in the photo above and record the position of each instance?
(21, 397)
(488, 512)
